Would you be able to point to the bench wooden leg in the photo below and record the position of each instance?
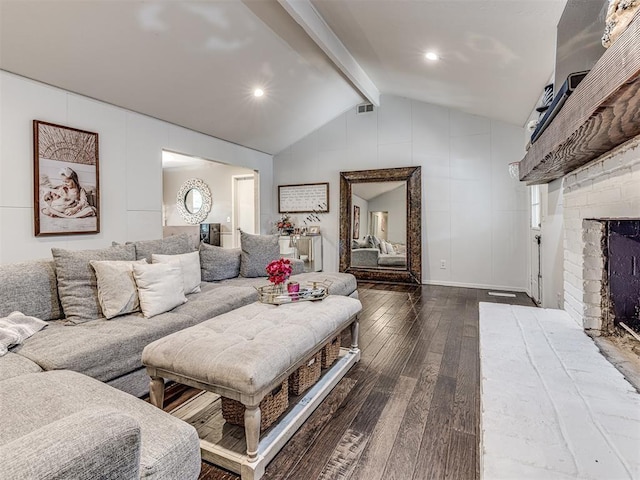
(355, 328)
(252, 417)
(156, 391)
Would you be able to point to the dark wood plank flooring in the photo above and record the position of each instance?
(410, 409)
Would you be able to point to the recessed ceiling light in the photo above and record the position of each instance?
(432, 56)
(258, 92)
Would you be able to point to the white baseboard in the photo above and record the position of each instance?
(446, 283)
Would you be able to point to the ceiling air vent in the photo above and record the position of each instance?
(364, 108)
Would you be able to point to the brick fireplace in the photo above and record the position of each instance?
(597, 198)
(611, 272)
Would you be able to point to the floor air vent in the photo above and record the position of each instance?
(364, 108)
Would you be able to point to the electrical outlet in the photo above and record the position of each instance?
(443, 264)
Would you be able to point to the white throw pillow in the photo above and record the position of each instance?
(383, 247)
(160, 287)
(117, 291)
(189, 263)
(390, 249)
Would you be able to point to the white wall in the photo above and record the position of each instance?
(474, 213)
(130, 166)
(552, 231)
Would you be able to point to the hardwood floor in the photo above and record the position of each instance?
(410, 409)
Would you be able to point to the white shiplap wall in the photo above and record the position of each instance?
(475, 216)
(130, 166)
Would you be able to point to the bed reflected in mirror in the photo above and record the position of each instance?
(380, 226)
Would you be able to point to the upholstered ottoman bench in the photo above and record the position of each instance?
(244, 355)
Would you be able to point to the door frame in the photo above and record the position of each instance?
(234, 208)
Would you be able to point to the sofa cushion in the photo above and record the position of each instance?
(392, 261)
(117, 290)
(108, 349)
(77, 282)
(257, 252)
(189, 264)
(170, 447)
(30, 288)
(92, 443)
(160, 287)
(12, 365)
(217, 263)
(173, 245)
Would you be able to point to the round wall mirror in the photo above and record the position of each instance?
(194, 201)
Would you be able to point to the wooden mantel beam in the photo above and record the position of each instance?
(602, 113)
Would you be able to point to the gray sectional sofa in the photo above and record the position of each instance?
(372, 254)
(62, 379)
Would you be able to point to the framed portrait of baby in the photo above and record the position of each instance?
(66, 187)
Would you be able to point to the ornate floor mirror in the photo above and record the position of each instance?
(380, 224)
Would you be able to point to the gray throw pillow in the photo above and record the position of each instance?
(257, 252)
(217, 263)
(173, 245)
(77, 282)
(30, 287)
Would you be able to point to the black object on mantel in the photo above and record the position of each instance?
(210, 233)
(567, 88)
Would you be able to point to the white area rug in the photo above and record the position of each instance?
(552, 406)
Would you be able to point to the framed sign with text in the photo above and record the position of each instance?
(304, 198)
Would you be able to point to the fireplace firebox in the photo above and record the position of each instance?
(621, 274)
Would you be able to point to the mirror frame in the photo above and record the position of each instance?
(200, 215)
(412, 175)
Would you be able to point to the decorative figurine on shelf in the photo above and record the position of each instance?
(619, 16)
(285, 225)
(279, 271)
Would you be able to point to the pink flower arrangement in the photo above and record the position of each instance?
(279, 271)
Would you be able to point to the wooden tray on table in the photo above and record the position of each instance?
(311, 292)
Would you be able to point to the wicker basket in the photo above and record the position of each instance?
(271, 407)
(305, 376)
(330, 352)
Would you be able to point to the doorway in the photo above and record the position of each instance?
(378, 224)
(244, 206)
(179, 169)
(536, 243)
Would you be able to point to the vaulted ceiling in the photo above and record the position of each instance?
(197, 63)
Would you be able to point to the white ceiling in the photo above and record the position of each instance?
(496, 55)
(370, 190)
(196, 64)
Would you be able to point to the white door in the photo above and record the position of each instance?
(244, 206)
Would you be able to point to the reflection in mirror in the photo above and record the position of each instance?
(379, 233)
(193, 201)
(380, 224)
